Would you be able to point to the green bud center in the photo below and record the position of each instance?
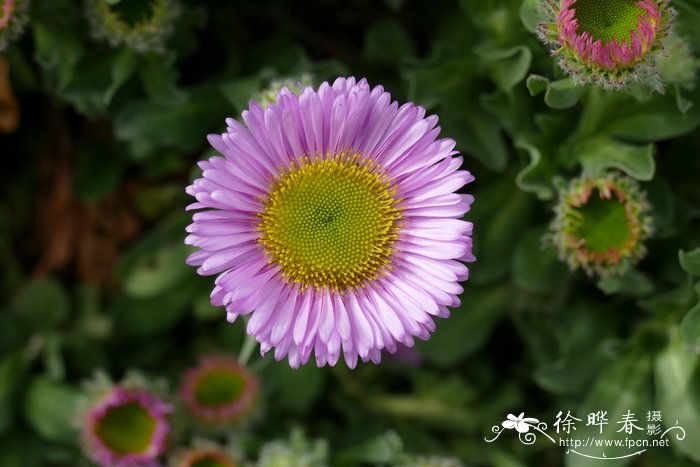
(603, 223)
(607, 19)
(127, 429)
(219, 387)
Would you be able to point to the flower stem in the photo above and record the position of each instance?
(593, 112)
(247, 348)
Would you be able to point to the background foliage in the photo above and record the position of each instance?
(92, 225)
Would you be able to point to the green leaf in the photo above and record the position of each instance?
(537, 176)
(600, 154)
(147, 317)
(147, 126)
(508, 108)
(563, 94)
(469, 326)
(49, 407)
(502, 212)
(13, 368)
(22, 72)
(671, 303)
(162, 301)
(530, 14)
(19, 448)
(676, 371)
(157, 271)
(99, 168)
(382, 449)
(86, 89)
(633, 284)
(655, 120)
(97, 78)
(664, 206)
(57, 50)
(240, 92)
(123, 67)
(440, 81)
(682, 103)
(43, 304)
(296, 390)
(508, 67)
(536, 267)
(387, 43)
(690, 261)
(499, 458)
(574, 363)
(481, 136)
(690, 325)
(624, 386)
(168, 231)
(536, 84)
(159, 80)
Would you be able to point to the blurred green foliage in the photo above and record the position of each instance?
(92, 222)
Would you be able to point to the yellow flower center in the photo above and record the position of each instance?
(331, 223)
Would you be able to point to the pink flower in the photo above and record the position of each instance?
(126, 427)
(332, 219)
(219, 390)
(607, 42)
(601, 224)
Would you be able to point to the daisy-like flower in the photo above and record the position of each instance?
(608, 42)
(13, 18)
(601, 223)
(141, 26)
(126, 426)
(219, 390)
(332, 220)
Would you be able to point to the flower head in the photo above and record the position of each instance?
(219, 390)
(332, 220)
(601, 223)
(608, 42)
(126, 426)
(142, 26)
(13, 18)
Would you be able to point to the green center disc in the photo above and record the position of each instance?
(127, 429)
(607, 19)
(330, 223)
(603, 224)
(219, 387)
